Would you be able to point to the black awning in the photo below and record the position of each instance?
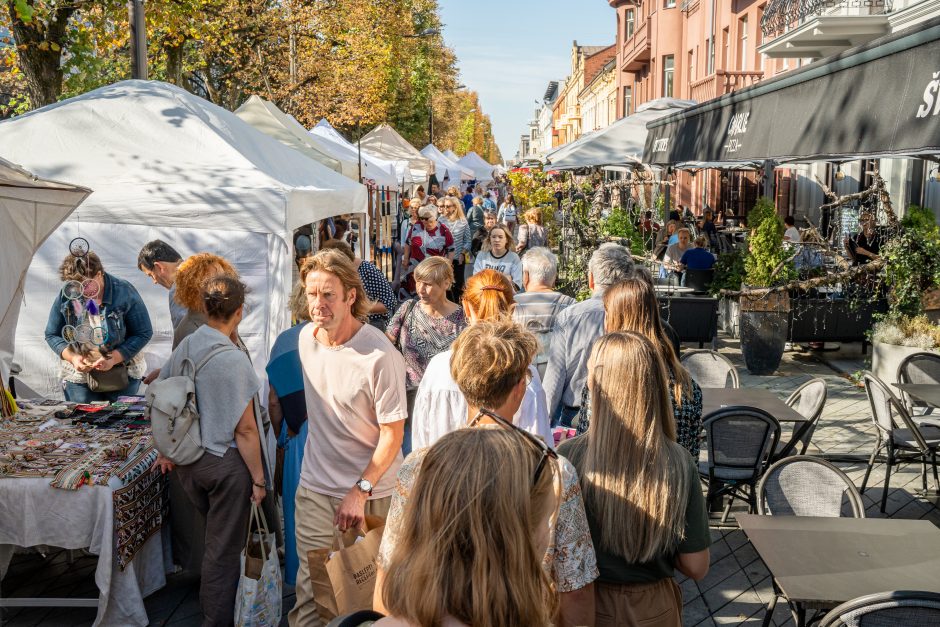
(879, 99)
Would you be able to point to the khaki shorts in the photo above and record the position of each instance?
(657, 604)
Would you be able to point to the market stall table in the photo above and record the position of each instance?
(102, 496)
(714, 399)
(819, 563)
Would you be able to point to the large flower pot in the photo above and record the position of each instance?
(763, 328)
(886, 358)
(728, 316)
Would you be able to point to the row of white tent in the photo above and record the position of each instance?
(153, 161)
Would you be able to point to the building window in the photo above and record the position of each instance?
(691, 67)
(742, 44)
(724, 49)
(668, 72)
(631, 24)
(670, 4)
(627, 101)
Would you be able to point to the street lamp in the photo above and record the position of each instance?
(427, 32)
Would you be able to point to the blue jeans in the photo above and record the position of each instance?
(79, 392)
(565, 416)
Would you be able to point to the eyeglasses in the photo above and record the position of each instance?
(543, 448)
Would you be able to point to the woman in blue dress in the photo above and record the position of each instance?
(288, 409)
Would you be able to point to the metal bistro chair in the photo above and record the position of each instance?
(808, 400)
(711, 369)
(805, 486)
(887, 609)
(919, 368)
(739, 443)
(901, 445)
(698, 280)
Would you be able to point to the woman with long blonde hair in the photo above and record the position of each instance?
(631, 305)
(641, 491)
(472, 540)
(490, 363)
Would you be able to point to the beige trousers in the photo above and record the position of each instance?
(657, 604)
(314, 523)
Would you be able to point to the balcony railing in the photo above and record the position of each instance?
(722, 82)
(780, 14)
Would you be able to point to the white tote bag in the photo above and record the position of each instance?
(258, 602)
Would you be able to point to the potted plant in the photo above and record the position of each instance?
(912, 271)
(763, 317)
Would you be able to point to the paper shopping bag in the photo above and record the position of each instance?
(343, 577)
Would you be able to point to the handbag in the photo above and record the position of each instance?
(105, 381)
(404, 320)
(258, 600)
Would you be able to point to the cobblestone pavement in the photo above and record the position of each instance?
(735, 591)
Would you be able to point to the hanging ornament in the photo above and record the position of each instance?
(68, 333)
(72, 290)
(79, 247)
(99, 335)
(83, 333)
(90, 288)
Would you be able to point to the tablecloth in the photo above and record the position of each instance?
(33, 513)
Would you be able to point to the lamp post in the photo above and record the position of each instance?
(138, 24)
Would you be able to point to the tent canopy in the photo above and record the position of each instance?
(156, 154)
(385, 142)
(621, 143)
(30, 209)
(876, 100)
(482, 171)
(451, 155)
(382, 171)
(446, 169)
(271, 121)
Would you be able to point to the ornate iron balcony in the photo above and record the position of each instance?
(782, 13)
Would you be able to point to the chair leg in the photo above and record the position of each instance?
(884, 494)
(727, 510)
(923, 471)
(936, 477)
(871, 463)
(769, 611)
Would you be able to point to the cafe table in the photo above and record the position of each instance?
(819, 563)
(714, 399)
(926, 392)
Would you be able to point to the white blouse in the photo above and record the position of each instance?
(440, 406)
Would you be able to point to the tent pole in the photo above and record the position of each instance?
(769, 179)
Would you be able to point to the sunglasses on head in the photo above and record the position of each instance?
(543, 448)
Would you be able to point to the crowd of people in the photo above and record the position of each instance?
(432, 408)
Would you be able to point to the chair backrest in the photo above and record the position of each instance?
(741, 438)
(887, 609)
(699, 280)
(809, 400)
(808, 486)
(882, 401)
(918, 368)
(355, 619)
(710, 369)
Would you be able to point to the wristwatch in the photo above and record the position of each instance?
(364, 485)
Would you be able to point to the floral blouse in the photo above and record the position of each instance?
(570, 557)
(688, 416)
(421, 336)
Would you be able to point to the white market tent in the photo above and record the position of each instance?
(482, 171)
(30, 209)
(621, 143)
(382, 171)
(451, 154)
(166, 164)
(271, 121)
(385, 142)
(447, 171)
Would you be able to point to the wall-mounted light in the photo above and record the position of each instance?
(724, 177)
(840, 175)
(936, 174)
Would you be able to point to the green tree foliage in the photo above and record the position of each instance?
(767, 261)
(912, 262)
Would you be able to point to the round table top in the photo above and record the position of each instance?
(673, 289)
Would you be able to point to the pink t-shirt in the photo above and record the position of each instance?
(350, 390)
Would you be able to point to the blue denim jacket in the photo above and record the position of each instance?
(129, 327)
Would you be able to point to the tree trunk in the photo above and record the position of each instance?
(39, 52)
(174, 63)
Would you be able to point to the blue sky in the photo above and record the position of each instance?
(508, 50)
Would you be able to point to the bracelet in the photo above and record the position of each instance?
(260, 485)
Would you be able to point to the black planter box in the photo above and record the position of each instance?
(832, 320)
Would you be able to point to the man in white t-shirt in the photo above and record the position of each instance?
(354, 383)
